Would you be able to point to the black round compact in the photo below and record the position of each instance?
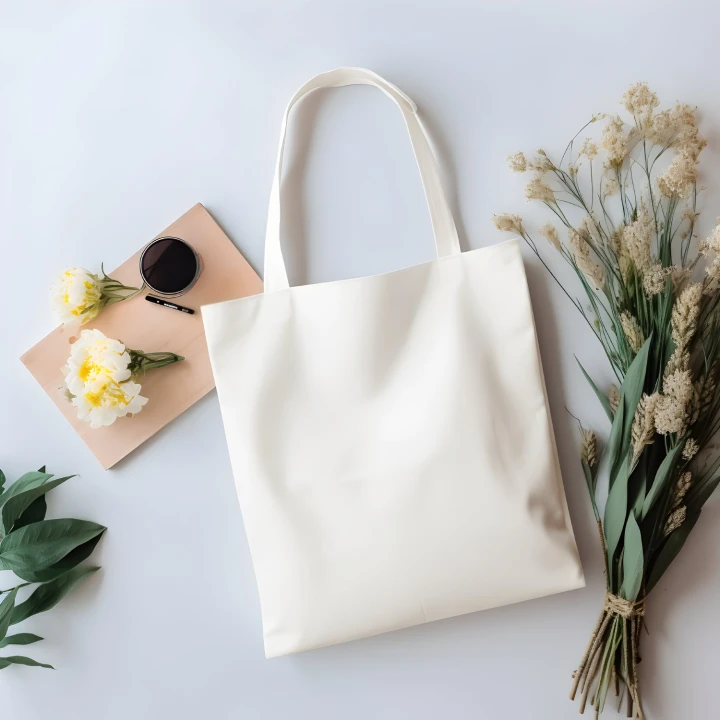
(169, 266)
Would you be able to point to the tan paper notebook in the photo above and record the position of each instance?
(226, 275)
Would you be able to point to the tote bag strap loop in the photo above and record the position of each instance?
(446, 237)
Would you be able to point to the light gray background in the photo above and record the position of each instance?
(116, 117)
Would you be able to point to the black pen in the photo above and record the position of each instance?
(165, 303)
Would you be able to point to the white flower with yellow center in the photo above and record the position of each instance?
(79, 295)
(100, 377)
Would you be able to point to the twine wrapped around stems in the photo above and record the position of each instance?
(618, 616)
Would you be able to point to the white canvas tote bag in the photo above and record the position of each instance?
(390, 435)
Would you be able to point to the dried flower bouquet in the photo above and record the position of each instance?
(628, 204)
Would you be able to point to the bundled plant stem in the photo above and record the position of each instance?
(628, 205)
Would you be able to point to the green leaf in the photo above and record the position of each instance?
(616, 512)
(632, 388)
(35, 513)
(6, 611)
(39, 545)
(17, 505)
(669, 550)
(615, 442)
(72, 559)
(19, 639)
(600, 396)
(50, 594)
(27, 482)
(632, 559)
(2, 480)
(662, 476)
(20, 660)
(587, 471)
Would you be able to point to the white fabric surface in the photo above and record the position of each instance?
(118, 117)
(390, 435)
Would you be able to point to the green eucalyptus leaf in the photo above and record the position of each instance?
(590, 480)
(71, 560)
(616, 511)
(600, 395)
(615, 443)
(2, 480)
(637, 489)
(19, 639)
(632, 389)
(17, 505)
(662, 477)
(39, 545)
(26, 482)
(6, 611)
(35, 513)
(668, 552)
(50, 594)
(632, 559)
(20, 660)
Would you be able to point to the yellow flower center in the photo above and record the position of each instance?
(111, 394)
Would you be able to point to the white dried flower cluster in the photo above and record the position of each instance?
(706, 389)
(675, 520)
(680, 490)
(691, 449)
(654, 279)
(679, 276)
(614, 397)
(588, 447)
(517, 162)
(633, 331)
(619, 248)
(507, 222)
(541, 163)
(637, 238)
(680, 177)
(589, 149)
(671, 411)
(589, 267)
(685, 314)
(589, 230)
(678, 128)
(710, 248)
(640, 102)
(615, 141)
(612, 187)
(550, 233)
(643, 427)
(688, 213)
(538, 189)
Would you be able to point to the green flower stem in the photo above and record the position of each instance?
(114, 291)
(141, 362)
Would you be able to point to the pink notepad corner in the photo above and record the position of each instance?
(226, 275)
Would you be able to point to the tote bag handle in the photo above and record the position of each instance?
(446, 237)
